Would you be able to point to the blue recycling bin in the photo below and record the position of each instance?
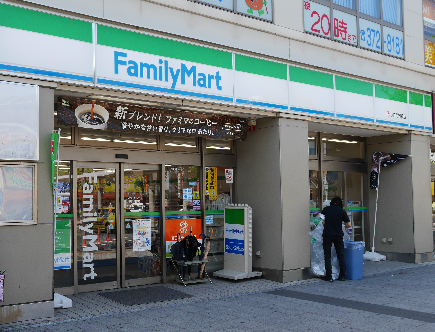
(353, 257)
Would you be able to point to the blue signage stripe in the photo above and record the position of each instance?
(63, 267)
(428, 128)
(393, 123)
(355, 117)
(235, 246)
(418, 127)
(46, 73)
(259, 103)
(305, 110)
(158, 89)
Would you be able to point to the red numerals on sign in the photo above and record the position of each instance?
(325, 24)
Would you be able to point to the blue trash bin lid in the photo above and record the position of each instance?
(356, 244)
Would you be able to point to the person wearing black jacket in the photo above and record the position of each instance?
(333, 234)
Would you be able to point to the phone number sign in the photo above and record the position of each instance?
(345, 29)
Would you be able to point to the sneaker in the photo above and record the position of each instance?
(327, 279)
(342, 279)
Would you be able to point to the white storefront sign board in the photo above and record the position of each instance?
(261, 90)
(19, 124)
(37, 54)
(391, 112)
(416, 116)
(354, 106)
(310, 99)
(135, 70)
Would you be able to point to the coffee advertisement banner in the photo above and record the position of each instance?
(124, 117)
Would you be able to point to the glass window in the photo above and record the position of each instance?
(342, 147)
(218, 146)
(182, 204)
(142, 223)
(370, 7)
(92, 137)
(187, 144)
(392, 11)
(312, 145)
(346, 3)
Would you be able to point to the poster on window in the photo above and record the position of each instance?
(257, 8)
(62, 244)
(429, 18)
(317, 19)
(141, 234)
(2, 283)
(345, 29)
(429, 53)
(181, 227)
(16, 194)
(19, 124)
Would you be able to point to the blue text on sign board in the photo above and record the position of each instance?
(163, 72)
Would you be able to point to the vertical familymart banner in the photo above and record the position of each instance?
(235, 231)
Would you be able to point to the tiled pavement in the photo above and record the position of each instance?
(387, 284)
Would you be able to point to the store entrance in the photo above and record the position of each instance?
(118, 225)
(350, 187)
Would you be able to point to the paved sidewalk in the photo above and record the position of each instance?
(88, 307)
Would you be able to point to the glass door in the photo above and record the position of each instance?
(97, 222)
(141, 230)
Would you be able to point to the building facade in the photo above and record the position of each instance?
(167, 111)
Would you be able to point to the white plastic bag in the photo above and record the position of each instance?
(317, 256)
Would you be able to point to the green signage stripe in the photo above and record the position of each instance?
(211, 212)
(261, 67)
(48, 24)
(64, 215)
(427, 101)
(139, 42)
(176, 213)
(415, 98)
(356, 208)
(392, 94)
(235, 216)
(311, 77)
(354, 86)
(138, 214)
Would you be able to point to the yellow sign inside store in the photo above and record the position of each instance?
(207, 181)
(213, 184)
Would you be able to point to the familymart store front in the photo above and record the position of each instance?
(130, 178)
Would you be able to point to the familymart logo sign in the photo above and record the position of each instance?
(88, 222)
(160, 74)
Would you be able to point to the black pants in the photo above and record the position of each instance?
(339, 246)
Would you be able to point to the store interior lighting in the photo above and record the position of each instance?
(185, 145)
(95, 139)
(136, 142)
(219, 147)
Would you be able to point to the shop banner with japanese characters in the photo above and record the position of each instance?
(142, 234)
(213, 192)
(123, 117)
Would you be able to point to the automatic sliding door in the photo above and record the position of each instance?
(97, 225)
(142, 225)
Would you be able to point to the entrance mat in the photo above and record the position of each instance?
(136, 296)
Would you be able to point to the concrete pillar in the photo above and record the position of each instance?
(272, 177)
(27, 251)
(404, 204)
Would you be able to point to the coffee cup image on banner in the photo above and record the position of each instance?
(92, 116)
